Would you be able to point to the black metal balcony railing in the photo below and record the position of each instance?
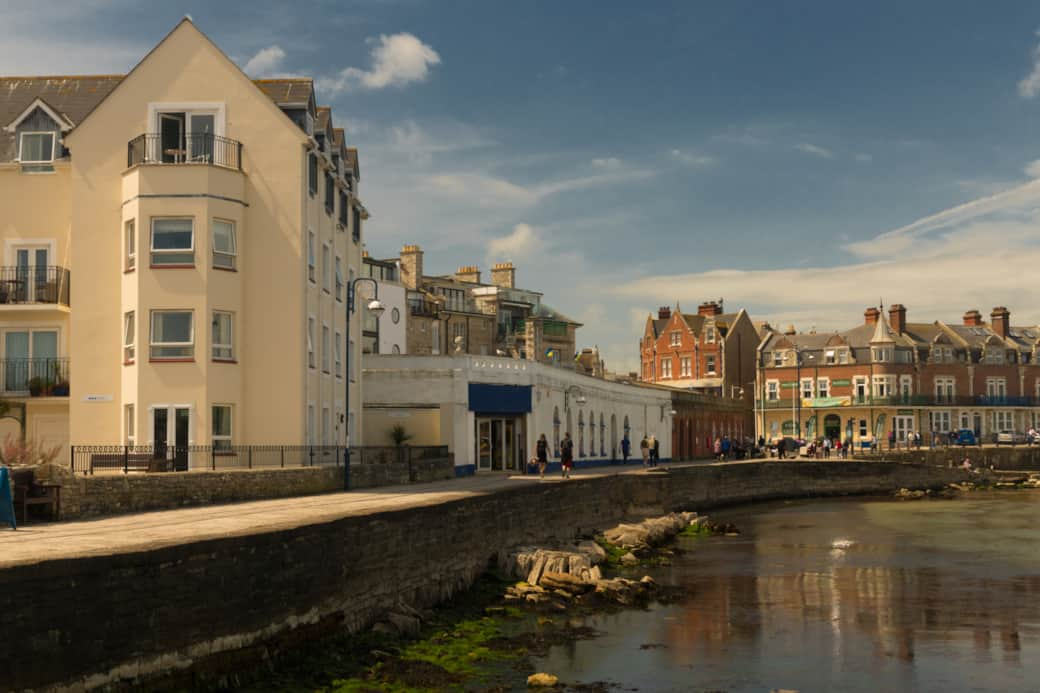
(920, 400)
(34, 285)
(427, 309)
(195, 148)
(45, 377)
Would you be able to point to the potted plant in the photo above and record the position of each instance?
(35, 386)
(61, 388)
(399, 435)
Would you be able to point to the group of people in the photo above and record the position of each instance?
(913, 439)
(649, 447)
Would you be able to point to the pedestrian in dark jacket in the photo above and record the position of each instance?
(626, 448)
(655, 451)
(542, 452)
(567, 454)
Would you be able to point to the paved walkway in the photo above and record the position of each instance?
(35, 543)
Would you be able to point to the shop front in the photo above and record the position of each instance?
(500, 431)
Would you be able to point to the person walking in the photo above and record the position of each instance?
(542, 452)
(826, 448)
(567, 454)
(626, 448)
(655, 451)
(644, 450)
(717, 449)
(727, 445)
(891, 440)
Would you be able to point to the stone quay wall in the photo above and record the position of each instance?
(1020, 457)
(99, 495)
(207, 606)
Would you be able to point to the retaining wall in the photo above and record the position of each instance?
(211, 605)
(112, 494)
(1021, 457)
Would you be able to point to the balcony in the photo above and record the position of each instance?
(34, 286)
(41, 377)
(193, 148)
(905, 401)
(425, 309)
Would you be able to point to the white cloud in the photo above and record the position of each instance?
(688, 159)
(975, 255)
(815, 150)
(397, 60)
(608, 162)
(522, 242)
(1029, 86)
(1032, 169)
(864, 158)
(266, 62)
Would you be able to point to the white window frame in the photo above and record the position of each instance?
(883, 386)
(326, 357)
(222, 441)
(158, 254)
(1003, 420)
(805, 387)
(130, 424)
(773, 390)
(129, 336)
(778, 359)
(906, 386)
(326, 273)
(230, 256)
(685, 366)
(312, 258)
(830, 357)
(945, 388)
(339, 278)
(856, 382)
(709, 334)
(338, 352)
(130, 244)
(996, 386)
(29, 133)
(710, 364)
(189, 346)
(666, 367)
(227, 349)
(823, 387)
(311, 324)
(676, 338)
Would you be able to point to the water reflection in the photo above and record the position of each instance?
(850, 595)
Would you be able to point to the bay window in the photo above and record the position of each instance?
(173, 242)
(173, 335)
(223, 336)
(221, 427)
(225, 246)
(128, 337)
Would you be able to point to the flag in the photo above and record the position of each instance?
(550, 353)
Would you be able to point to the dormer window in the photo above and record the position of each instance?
(709, 334)
(881, 354)
(36, 148)
(778, 358)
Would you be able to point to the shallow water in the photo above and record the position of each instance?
(843, 595)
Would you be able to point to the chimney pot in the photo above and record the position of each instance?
(710, 308)
(897, 317)
(503, 274)
(1001, 320)
(664, 312)
(871, 315)
(973, 318)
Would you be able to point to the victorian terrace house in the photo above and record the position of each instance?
(710, 351)
(900, 377)
(211, 222)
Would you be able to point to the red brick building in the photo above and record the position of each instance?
(900, 377)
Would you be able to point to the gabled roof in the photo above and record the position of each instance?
(321, 123)
(60, 120)
(292, 91)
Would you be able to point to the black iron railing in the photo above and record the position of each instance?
(42, 377)
(34, 285)
(195, 148)
(423, 308)
(919, 401)
(93, 459)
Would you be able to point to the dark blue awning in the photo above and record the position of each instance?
(499, 399)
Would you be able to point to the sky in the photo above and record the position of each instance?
(801, 160)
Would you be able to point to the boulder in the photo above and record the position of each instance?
(629, 559)
(542, 680)
(564, 581)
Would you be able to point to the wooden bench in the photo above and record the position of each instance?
(29, 492)
(133, 462)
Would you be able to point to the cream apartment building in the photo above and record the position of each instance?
(212, 224)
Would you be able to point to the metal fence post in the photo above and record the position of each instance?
(311, 454)
(213, 457)
(72, 458)
(282, 450)
(250, 453)
(126, 459)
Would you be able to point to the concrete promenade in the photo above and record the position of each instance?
(35, 543)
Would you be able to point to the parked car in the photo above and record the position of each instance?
(1011, 438)
(965, 436)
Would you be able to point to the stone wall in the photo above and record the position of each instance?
(205, 606)
(1021, 457)
(112, 494)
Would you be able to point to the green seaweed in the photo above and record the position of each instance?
(614, 552)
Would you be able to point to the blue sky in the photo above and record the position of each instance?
(801, 159)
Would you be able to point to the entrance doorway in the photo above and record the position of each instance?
(171, 428)
(902, 425)
(832, 426)
(500, 444)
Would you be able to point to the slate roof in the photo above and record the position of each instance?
(73, 97)
(288, 91)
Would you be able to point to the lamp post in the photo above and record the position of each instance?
(376, 308)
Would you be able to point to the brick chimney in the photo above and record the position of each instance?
(1001, 320)
(871, 315)
(897, 318)
(504, 274)
(664, 312)
(468, 273)
(411, 267)
(973, 318)
(710, 308)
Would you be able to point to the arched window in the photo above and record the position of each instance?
(556, 431)
(602, 436)
(592, 434)
(581, 434)
(628, 430)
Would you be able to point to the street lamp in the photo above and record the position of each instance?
(376, 308)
